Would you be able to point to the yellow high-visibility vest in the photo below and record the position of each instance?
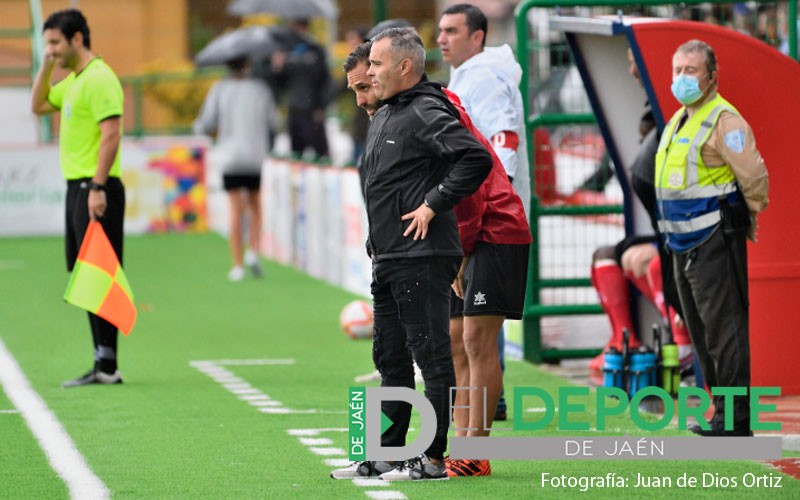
(687, 190)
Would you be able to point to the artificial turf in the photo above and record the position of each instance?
(171, 431)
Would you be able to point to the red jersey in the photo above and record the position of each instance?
(494, 213)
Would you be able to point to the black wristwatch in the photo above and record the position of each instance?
(96, 187)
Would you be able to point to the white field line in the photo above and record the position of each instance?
(11, 264)
(309, 438)
(337, 458)
(386, 495)
(245, 362)
(61, 452)
(337, 463)
(315, 432)
(242, 389)
(370, 483)
(316, 441)
(327, 452)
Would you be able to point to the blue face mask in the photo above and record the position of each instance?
(686, 89)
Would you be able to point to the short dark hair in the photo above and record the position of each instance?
(238, 64)
(69, 22)
(359, 55)
(476, 19)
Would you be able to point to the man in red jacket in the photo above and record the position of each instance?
(489, 288)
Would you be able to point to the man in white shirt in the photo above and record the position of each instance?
(486, 79)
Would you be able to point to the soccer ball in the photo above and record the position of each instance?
(356, 319)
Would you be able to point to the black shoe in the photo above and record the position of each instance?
(715, 422)
(718, 430)
(695, 428)
(500, 416)
(95, 377)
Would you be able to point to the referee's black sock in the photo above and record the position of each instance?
(105, 335)
(105, 359)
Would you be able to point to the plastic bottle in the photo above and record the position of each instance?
(642, 370)
(613, 369)
(670, 369)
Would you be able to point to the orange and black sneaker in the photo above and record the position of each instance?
(468, 467)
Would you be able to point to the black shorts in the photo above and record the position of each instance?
(251, 182)
(77, 216)
(628, 242)
(494, 282)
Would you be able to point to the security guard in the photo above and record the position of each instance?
(711, 182)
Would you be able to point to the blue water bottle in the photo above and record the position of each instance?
(613, 368)
(652, 371)
(642, 370)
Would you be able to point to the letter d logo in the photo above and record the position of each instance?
(376, 396)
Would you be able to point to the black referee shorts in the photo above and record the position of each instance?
(77, 216)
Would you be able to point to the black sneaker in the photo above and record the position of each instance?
(417, 469)
(721, 432)
(717, 429)
(95, 377)
(362, 469)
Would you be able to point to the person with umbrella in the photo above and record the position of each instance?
(251, 42)
(302, 72)
(240, 112)
(285, 9)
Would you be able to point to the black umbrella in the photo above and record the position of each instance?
(286, 9)
(385, 25)
(252, 41)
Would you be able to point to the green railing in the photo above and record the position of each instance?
(175, 92)
(535, 310)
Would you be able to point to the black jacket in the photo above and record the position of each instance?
(304, 77)
(643, 175)
(417, 151)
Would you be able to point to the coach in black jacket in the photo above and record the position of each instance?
(420, 161)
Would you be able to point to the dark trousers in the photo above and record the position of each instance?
(411, 303)
(717, 316)
(104, 334)
(305, 132)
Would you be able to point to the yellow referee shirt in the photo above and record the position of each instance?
(85, 99)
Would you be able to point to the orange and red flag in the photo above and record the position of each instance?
(98, 283)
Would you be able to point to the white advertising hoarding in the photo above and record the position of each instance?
(163, 177)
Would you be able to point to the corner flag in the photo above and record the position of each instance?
(98, 283)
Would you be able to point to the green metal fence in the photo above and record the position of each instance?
(544, 54)
(166, 102)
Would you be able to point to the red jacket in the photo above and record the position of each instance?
(494, 213)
